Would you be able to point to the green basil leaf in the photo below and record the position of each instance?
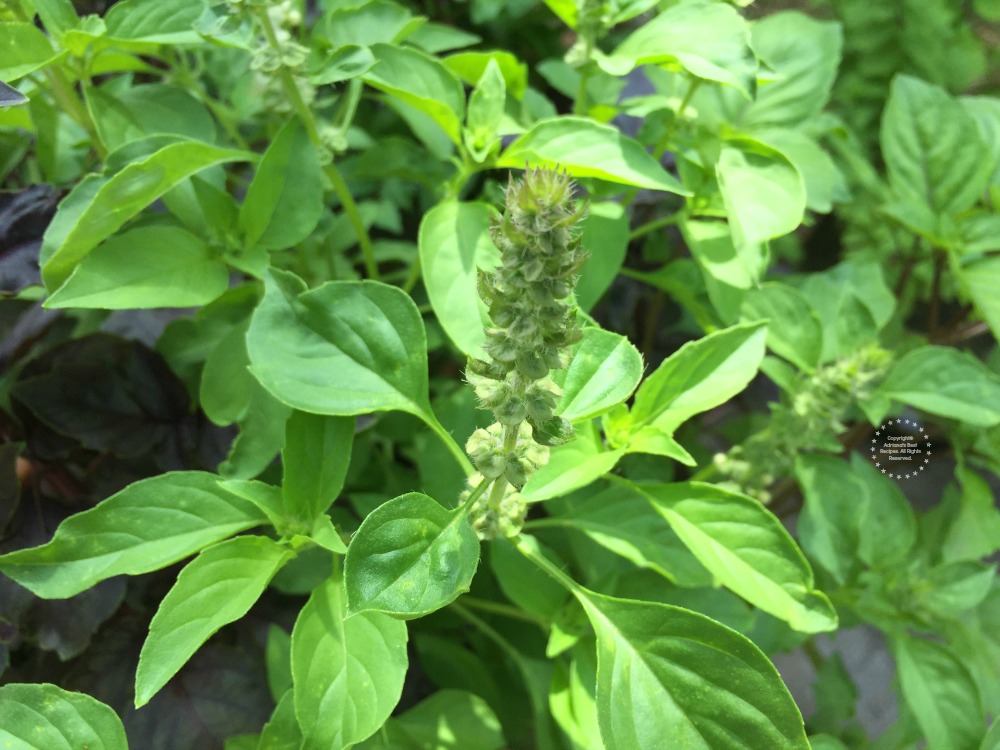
(58, 16)
(148, 525)
(701, 375)
(345, 348)
(824, 183)
(622, 520)
(316, 456)
(226, 384)
(24, 50)
(285, 199)
(216, 588)
(709, 40)
(571, 466)
(745, 546)
(585, 148)
(794, 330)
(981, 279)
(282, 730)
(573, 698)
(486, 109)
(711, 244)
(605, 240)
(470, 67)
(96, 209)
(43, 717)
(155, 21)
(422, 82)
(604, 371)
(944, 381)
(828, 523)
(410, 557)
(763, 193)
(669, 675)
(804, 54)
(349, 61)
(952, 588)
(941, 693)
(932, 149)
(454, 242)
(368, 23)
(447, 720)
(348, 672)
(146, 267)
(975, 530)
(147, 111)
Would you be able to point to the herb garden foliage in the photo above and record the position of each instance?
(410, 233)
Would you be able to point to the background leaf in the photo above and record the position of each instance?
(422, 82)
(709, 40)
(315, 459)
(932, 148)
(941, 693)
(804, 54)
(947, 382)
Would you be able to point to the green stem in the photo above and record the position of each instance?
(505, 610)
(449, 441)
(66, 97)
(665, 140)
(413, 276)
(652, 226)
(580, 105)
(489, 632)
(526, 549)
(312, 128)
(510, 433)
(476, 494)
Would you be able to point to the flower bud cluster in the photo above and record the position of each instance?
(504, 520)
(533, 321)
(276, 50)
(810, 418)
(491, 458)
(533, 327)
